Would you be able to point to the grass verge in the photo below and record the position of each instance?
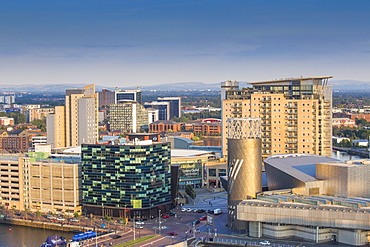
(137, 241)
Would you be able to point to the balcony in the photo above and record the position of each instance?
(292, 112)
(290, 141)
(292, 106)
(291, 130)
(291, 124)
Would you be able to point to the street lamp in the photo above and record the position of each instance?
(159, 222)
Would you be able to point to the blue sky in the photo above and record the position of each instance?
(145, 42)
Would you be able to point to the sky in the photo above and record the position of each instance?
(149, 42)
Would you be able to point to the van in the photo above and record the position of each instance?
(217, 211)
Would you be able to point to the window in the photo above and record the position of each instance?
(221, 172)
(212, 172)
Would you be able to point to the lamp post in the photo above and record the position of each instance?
(159, 222)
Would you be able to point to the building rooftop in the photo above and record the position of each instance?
(291, 79)
(300, 166)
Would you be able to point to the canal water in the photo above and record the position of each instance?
(22, 236)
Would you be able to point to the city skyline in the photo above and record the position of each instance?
(125, 43)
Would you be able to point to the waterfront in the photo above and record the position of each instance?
(22, 236)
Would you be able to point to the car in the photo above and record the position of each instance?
(172, 213)
(50, 217)
(165, 216)
(74, 220)
(116, 236)
(265, 243)
(201, 210)
(190, 210)
(173, 234)
(217, 211)
(61, 219)
(139, 226)
(196, 222)
(139, 223)
(203, 218)
(18, 214)
(195, 210)
(184, 209)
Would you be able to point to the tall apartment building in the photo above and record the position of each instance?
(38, 113)
(77, 121)
(106, 97)
(128, 117)
(175, 105)
(295, 113)
(7, 99)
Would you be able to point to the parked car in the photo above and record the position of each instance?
(265, 243)
(196, 222)
(165, 216)
(74, 220)
(18, 214)
(61, 219)
(139, 223)
(184, 209)
(50, 217)
(116, 236)
(190, 210)
(139, 226)
(203, 218)
(173, 234)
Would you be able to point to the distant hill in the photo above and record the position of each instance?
(338, 85)
(350, 85)
(60, 88)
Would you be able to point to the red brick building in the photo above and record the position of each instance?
(164, 126)
(15, 141)
(206, 126)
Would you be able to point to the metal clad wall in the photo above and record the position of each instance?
(245, 168)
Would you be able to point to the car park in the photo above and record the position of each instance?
(265, 243)
(203, 218)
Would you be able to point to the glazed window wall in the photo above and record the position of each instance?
(130, 176)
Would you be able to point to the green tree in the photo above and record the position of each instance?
(40, 123)
(190, 191)
(18, 117)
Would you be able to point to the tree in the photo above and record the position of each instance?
(18, 117)
(190, 191)
(40, 123)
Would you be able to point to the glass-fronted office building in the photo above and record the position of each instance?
(126, 180)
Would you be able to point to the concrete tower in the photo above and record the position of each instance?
(244, 162)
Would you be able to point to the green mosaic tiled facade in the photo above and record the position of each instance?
(126, 176)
